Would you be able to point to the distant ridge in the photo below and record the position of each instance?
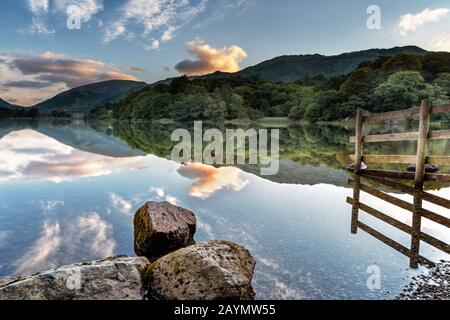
(83, 99)
(290, 68)
(5, 104)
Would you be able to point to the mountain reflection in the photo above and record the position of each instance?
(68, 192)
(27, 154)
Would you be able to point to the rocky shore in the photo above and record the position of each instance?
(434, 285)
(169, 266)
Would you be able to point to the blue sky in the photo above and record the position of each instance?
(153, 36)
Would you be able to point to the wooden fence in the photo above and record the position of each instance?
(387, 179)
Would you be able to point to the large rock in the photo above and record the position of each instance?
(116, 278)
(213, 270)
(161, 228)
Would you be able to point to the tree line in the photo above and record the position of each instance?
(386, 84)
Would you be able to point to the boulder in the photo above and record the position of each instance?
(161, 228)
(213, 270)
(117, 278)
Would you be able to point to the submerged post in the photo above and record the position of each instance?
(358, 160)
(422, 146)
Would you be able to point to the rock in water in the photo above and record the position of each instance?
(213, 270)
(161, 228)
(116, 278)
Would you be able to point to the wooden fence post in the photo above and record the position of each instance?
(422, 143)
(358, 159)
(422, 147)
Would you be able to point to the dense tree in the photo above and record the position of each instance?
(388, 83)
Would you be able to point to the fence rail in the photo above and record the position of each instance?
(402, 114)
(405, 159)
(403, 136)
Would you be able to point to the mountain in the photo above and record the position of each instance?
(4, 104)
(295, 67)
(84, 98)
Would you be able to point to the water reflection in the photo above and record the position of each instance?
(429, 222)
(68, 193)
(210, 179)
(27, 154)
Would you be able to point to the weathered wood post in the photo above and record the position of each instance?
(358, 160)
(422, 147)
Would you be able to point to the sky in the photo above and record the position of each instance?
(48, 46)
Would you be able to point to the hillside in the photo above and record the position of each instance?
(4, 104)
(84, 98)
(295, 67)
(384, 84)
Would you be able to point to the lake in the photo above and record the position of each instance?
(69, 190)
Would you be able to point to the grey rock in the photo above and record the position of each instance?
(213, 270)
(117, 278)
(161, 228)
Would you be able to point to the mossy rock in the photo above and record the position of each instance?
(213, 270)
(161, 228)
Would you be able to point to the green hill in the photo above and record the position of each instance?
(384, 84)
(296, 67)
(84, 98)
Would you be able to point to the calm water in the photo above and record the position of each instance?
(68, 192)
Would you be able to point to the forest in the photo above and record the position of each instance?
(386, 84)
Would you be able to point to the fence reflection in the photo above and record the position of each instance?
(365, 183)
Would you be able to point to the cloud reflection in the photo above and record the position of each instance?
(161, 195)
(52, 160)
(91, 234)
(86, 236)
(3, 236)
(38, 256)
(211, 179)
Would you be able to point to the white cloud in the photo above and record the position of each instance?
(42, 8)
(38, 6)
(114, 31)
(37, 77)
(440, 43)
(411, 22)
(210, 59)
(88, 8)
(224, 8)
(168, 34)
(153, 15)
(38, 26)
(153, 46)
(39, 9)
